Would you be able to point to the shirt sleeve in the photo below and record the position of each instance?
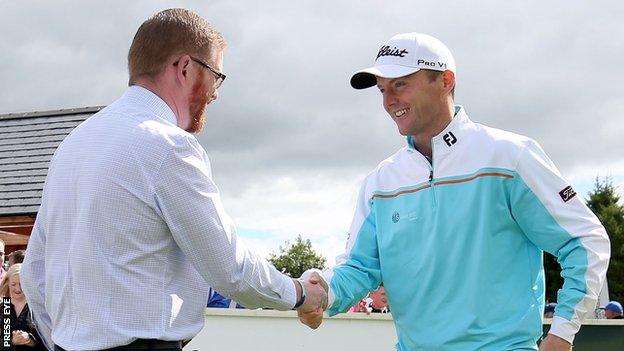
(357, 271)
(189, 202)
(558, 222)
(32, 280)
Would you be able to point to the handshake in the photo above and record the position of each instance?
(311, 311)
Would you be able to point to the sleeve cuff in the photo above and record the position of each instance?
(564, 328)
(289, 295)
(331, 297)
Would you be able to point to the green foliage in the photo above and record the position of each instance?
(552, 274)
(296, 258)
(604, 202)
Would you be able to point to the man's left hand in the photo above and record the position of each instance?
(554, 343)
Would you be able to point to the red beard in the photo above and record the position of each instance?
(197, 106)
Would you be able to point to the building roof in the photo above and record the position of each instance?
(27, 142)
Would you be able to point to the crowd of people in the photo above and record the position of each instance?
(612, 310)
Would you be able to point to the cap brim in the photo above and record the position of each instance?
(367, 77)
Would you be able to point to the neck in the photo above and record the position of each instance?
(440, 120)
(18, 300)
(165, 94)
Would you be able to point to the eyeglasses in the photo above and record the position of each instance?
(220, 77)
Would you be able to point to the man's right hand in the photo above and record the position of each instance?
(311, 312)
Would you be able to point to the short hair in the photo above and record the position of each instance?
(17, 256)
(168, 33)
(433, 76)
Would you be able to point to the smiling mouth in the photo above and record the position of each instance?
(400, 112)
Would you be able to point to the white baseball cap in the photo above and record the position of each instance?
(403, 55)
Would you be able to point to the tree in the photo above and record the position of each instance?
(604, 202)
(296, 258)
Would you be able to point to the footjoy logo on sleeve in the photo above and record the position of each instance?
(386, 51)
(567, 193)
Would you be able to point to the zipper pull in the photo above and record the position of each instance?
(431, 175)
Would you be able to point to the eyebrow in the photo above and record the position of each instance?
(392, 80)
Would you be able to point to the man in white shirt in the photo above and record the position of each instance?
(131, 231)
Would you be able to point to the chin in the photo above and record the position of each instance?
(403, 132)
(197, 122)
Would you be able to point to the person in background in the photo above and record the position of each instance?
(613, 310)
(549, 310)
(376, 302)
(216, 300)
(2, 270)
(24, 337)
(379, 300)
(16, 256)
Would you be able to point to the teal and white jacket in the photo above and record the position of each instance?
(458, 243)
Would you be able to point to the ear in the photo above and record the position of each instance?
(448, 78)
(181, 68)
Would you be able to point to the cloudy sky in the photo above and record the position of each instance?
(289, 140)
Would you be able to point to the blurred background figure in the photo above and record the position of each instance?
(16, 257)
(362, 306)
(379, 301)
(216, 300)
(376, 302)
(24, 335)
(2, 271)
(549, 310)
(613, 310)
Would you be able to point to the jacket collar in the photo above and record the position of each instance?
(451, 136)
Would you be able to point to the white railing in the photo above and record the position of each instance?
(246, 330)
(236, 329)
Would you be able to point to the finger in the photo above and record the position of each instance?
(319, 280)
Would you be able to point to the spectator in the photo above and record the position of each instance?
(379, 301)
(216, 300)
(2, 271)
(613, 310)
(549, 310)
(16, 257)
(24, 337)
(376, 302)
(362, 306)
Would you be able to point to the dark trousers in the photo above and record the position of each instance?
(143, 345)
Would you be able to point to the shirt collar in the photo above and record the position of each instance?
(150, 102)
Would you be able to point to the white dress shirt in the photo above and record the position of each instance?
(131, 233)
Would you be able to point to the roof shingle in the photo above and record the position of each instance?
(27, 143)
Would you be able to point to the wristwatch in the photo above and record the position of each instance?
(303, 295)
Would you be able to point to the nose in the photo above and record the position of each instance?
(215, 95)
(389, 99)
